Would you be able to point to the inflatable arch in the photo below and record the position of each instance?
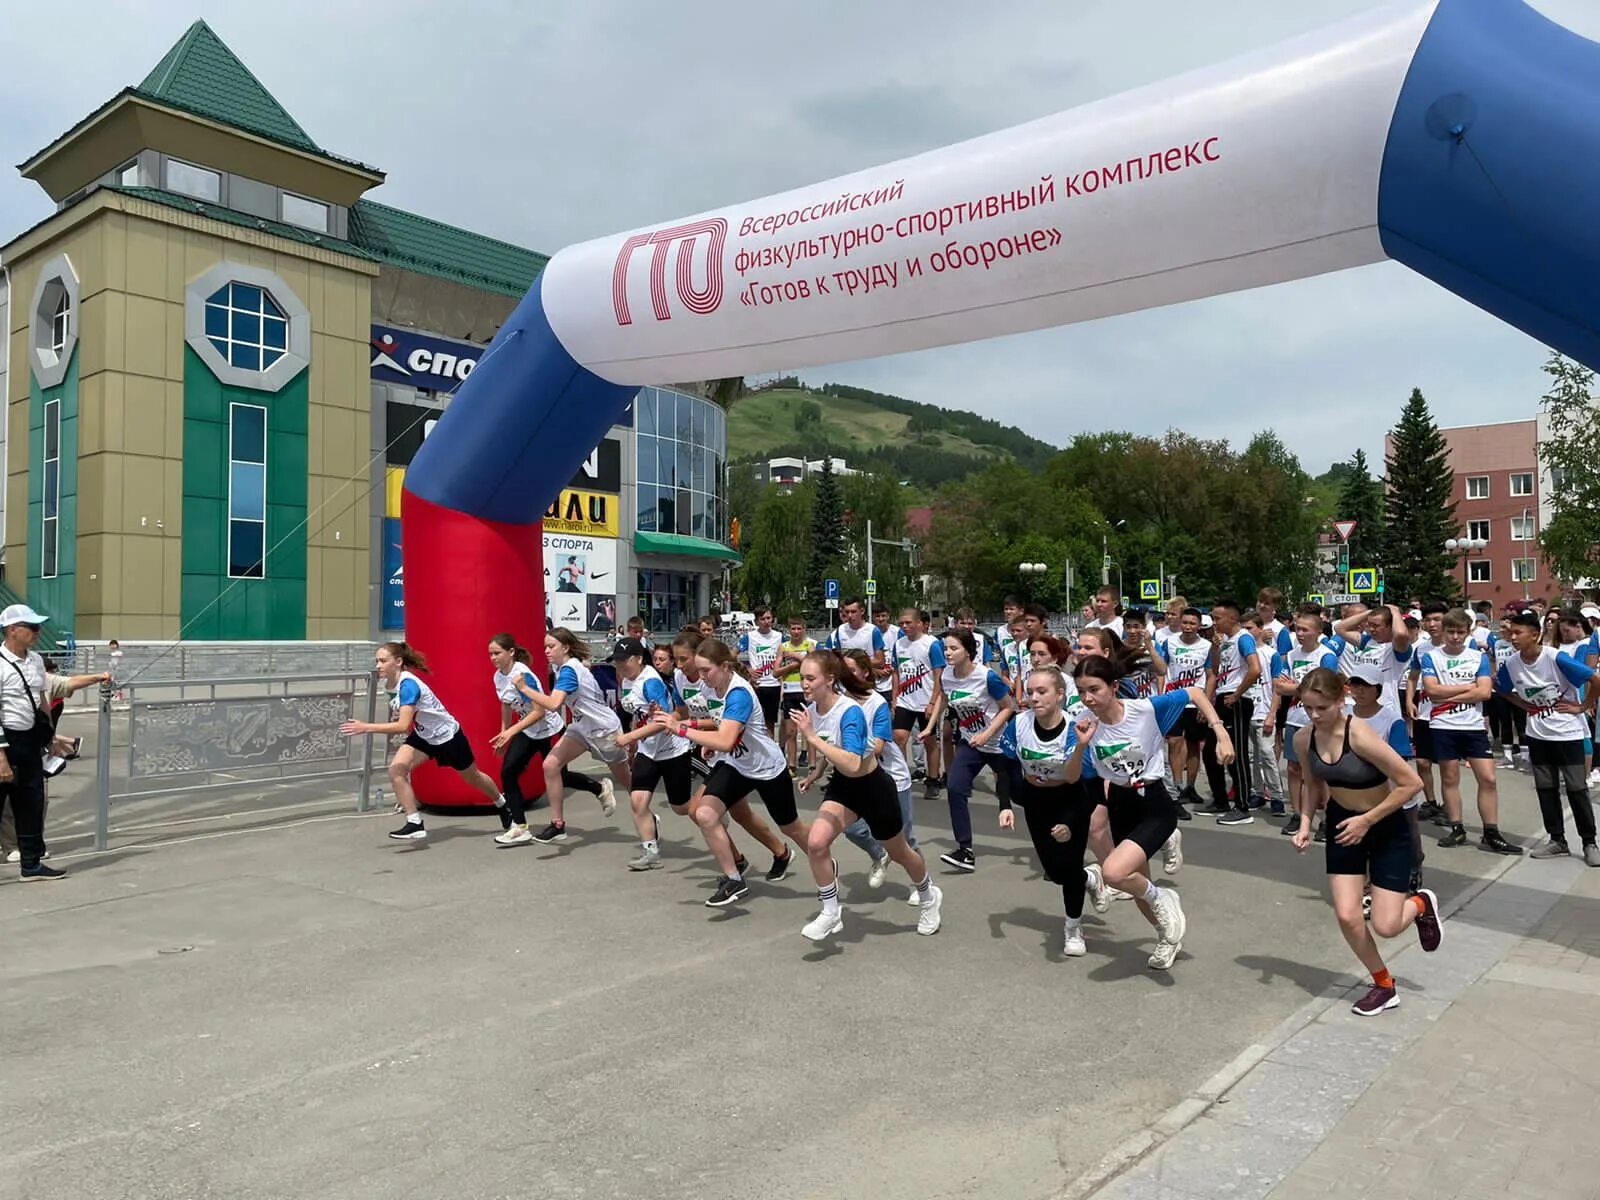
(1459, 137)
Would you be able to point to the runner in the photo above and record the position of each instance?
(1105, 611)
(918, 660)
(514, 683)
(1017, 660)
(836, 730)
(1548, 684)
(592, 726)
(1147, 673)
(429, 730)
(1311, 649)
(1123, 742)
(982, 705)
(1230, 674)
(1420, 707)
(1174, 623)
(1377, 635)
(1186, 655)
(1507, 723)
(790, 655)
(660, 757)
(892, 633)
(697, 702)
(1037, 743)
(759, 650)
(1456, 677)
(854, 633)
(1005, 641)
(880, 731)
(661, 659)
(1367, 783)
(1264, 718)
(743, 759)
(1366, 695)
(1048, 651)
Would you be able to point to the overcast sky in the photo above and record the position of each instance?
(553, 122)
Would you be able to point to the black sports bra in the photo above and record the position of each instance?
(1349, 770)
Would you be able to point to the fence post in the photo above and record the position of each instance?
(366, 743)
(102, 773)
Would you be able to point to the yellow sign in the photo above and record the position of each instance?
(394, 479)
(591, 514)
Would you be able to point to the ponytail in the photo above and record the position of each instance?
(519, 654)
(576, 647)
(864, 660)
(410, 659)
(718, 654)
(839, 674)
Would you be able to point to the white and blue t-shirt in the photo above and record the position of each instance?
(975, 700)
(880, 723)
(1133, 752)
(1233, 656)
(869, 638)
(892, 637)
(432, 722)
(645, 689)
(762, 651)
(1187, 663)
(505, 686)
(1388, 660)
(1388, 724)
(915, 661)
(754, 755)
(1296, 664)
(588, 714)
(1453, 670)
(1043, 760)
(844, 725)
(1551, 678)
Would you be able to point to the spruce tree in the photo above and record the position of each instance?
(1361, 501)
(1570, 451)
(827, 528)
(1420, 511)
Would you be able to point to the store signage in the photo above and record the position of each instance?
(580, 582)
(394, 600)
(406, 356)
(575, 511)
(602, 470)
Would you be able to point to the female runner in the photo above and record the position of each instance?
(430, 732)
(1038, 743)
(982, 704)
(1124, 743)
(514, 682)
(743, 759)
(591, 726)
(661, 757)
(1367, 785)
(836, 730)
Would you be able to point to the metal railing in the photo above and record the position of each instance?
(179, 739)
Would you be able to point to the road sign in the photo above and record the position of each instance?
(1149, 589)
(831, 602)
(1316, 598)
(872, 587)
(1344, 529)
(1342, 598)
(830, 590)
(1364, 580)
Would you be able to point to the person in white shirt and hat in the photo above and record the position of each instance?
(25, 734)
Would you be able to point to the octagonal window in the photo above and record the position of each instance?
(246, 326)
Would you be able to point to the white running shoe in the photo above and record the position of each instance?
(1118, 894)
(879, 872)
(1594, 778)
(16, 856)
(1171, 924)
(1164, 955)
(1172, 854)
(646, 860)
(823, 924)
(517, 835)
(1072, 942)
(914, 899)
(928, 919)
(608, 798)
(1099, 894)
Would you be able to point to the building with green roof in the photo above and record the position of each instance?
(222, 355)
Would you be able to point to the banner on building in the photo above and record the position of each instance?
(394, 602)
(580, 582)
(579, 512)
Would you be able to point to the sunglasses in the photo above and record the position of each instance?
(34, 628)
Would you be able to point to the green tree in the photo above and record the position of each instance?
(1420, 512)
(1570, 451)
(828, 544)
(775, 541)
(1361, 501)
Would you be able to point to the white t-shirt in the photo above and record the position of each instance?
(1551, 678)
(880, 724)
(511, 696)
(588, 714)
(915, 662)
(1296, 665)
(1133, 752)
(1186, 662)
(755, 755)
(1114, 624)
(1393, 664)
(432, 722)
(761, 651)
(1233, 655)
(638, 694)
(1043, 760)
(1454, 669)
(975, 701)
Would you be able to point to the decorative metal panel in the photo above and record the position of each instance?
(178, 737)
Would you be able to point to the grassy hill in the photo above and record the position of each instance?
(881, 433)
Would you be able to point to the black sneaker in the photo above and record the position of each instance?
(1216, 808)
(779, 870)
(918, 775)
(505, 816)
(1456, 837)
(551, 833)
(1320, 836)
(743, 864)
(1188, 795)
(1491, 840)
(1291, 826)
(1430, 810)
(961, 858)
(728, 890)
(1239, 816)
(1279, 808)
(411, 831)
(934, 786)
(1183, 812)
(40, 871)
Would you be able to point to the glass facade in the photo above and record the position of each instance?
(50, 533)
(247, 491)
(682, 447)
(667, 600)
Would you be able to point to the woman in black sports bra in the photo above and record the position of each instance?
(1368, 783)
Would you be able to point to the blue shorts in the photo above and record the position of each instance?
(1455, 745)
(1289, 752)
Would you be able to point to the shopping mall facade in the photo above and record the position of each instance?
(221, 357)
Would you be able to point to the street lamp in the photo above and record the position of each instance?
(1105, 553)
(1463, 547)
(1028, 570)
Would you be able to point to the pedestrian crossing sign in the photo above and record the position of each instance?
(1316, 598)
(1364, 581)
(1150, 589)
(872, 587)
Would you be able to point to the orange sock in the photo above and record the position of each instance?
(1422, 905)
(1383, 979)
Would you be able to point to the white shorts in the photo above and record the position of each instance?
(602, 745)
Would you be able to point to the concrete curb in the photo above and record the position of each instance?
(1140, 1145)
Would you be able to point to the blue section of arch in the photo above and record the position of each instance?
(519, 427)
(1492, 169)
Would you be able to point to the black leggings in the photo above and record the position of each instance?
(1236, 718)
(1508, 724)
(519, 753)
(1557, 765)
(1043, 808)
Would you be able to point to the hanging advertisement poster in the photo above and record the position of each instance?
(580, 582)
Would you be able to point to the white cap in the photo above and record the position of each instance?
(20, 614)
(1366, 672)
(1205, 621)
(1591, 612)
